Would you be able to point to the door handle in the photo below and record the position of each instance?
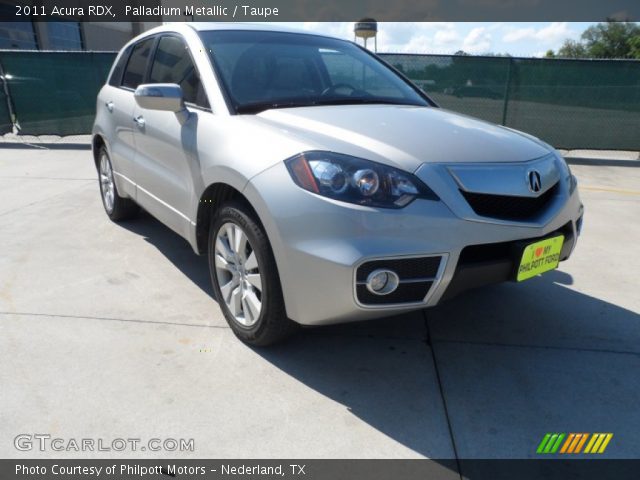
(109, 106)
(139, 121)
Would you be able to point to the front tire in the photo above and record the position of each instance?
(245, 277)
(116, 207)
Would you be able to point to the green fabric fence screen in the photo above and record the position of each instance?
(592, 104)
(54, 93)
(567, 103)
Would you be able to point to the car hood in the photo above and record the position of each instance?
(403, 136)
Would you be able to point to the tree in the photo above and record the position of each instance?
(572, 49)
(635, 46)
(610, 39)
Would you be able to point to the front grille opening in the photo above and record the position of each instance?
(491, 252)
(509, 207)
(486, 264)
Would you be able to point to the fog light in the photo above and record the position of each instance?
(382, 282)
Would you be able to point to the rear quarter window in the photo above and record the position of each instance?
(137, 65)
(116, 75)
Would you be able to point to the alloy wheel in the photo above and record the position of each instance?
(238, 274)
(106, 182)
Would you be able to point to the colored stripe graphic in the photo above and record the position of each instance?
(582, 440)
(568, 442)
(606, 442)
(550, 443)
(556, 445)
(598, 442)
(544, 441)
(593, 439)
(574, 442)
(576, 439)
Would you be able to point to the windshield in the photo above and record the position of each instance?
(262, 70)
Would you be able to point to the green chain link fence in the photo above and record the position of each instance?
(54, 93)
(591, 104)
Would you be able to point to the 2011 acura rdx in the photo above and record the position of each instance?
(324, 186)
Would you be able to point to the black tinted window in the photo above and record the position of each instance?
(116, 76)
(172, 64)
(134, 73)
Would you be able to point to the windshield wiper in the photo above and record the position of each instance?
(362, 101)
(258, 107)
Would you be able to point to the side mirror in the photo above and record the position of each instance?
(162, 96)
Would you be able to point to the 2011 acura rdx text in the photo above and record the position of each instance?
(323, 185)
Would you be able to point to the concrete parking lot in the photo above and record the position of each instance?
(110, 331)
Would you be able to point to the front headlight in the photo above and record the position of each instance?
(355, 180)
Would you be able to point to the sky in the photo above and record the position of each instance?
(517, 39)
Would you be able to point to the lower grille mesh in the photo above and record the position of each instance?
(405, 293)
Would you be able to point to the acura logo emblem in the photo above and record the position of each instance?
(534, 181)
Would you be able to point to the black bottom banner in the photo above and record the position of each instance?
(600, 469)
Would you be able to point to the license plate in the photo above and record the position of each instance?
(540, 257)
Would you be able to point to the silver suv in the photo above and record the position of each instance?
(322, 184)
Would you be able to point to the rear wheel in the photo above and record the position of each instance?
(245, 277)
(117, 207)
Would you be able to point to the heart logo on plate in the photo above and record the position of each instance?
(539, 251)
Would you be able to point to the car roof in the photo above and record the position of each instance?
(242, 26)
(256, 27)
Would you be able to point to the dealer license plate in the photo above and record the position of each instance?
(540, 257)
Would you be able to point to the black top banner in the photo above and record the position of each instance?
(319, 10)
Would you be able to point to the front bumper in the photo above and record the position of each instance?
(319, 244)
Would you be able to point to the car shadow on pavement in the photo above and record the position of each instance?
(513, 362)
(175, 248)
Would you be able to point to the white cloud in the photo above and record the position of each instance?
(417, 37)
(334, 29)
(478, 40)
(552, 33)
(539, 54)
(447, 36)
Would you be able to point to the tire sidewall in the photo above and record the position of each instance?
(123, 208)
(271, 293)
(103, 153)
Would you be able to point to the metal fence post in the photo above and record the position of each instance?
(507, 90)
(5, 88)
